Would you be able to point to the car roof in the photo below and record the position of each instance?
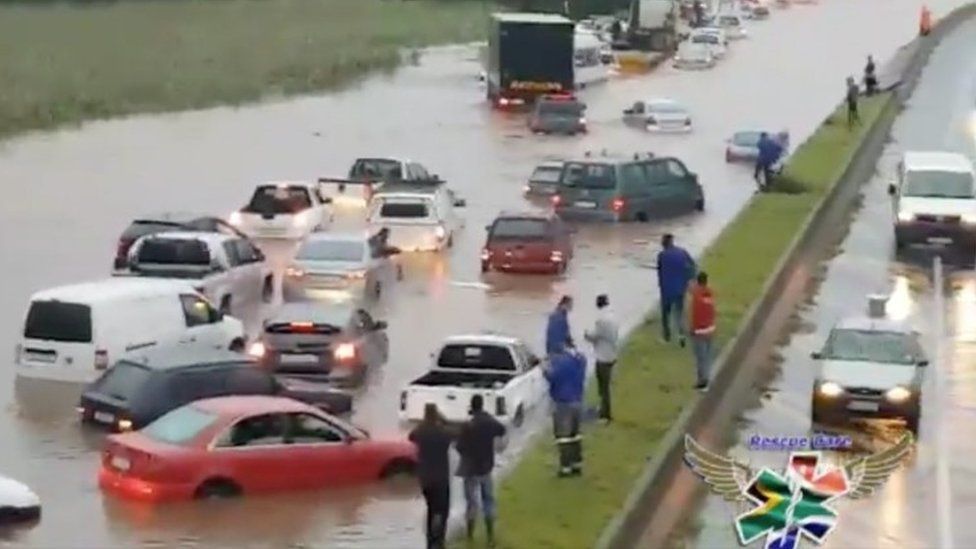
(178, 357)
(400, 160)
(173, 217)
(481, 339)
(708, 30)
(663, 102)
(112, 289)
(213, 239)
(304, 184)
(336, 314)
(250, 404)
(526, 214)
(870, 324)
(550, 164)
(405, 190)
(340, 236)
(937, 160)
(531, 18)
(611, 158)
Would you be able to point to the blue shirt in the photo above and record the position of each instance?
(567, 377)
(557, 331)
(675, 269)
(769, 151)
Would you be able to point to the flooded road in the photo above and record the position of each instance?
(941, 115)
(76, 190)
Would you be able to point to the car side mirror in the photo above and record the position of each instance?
(460, 202)
(379, 325)
(892, 190)
(923, 362)
(816, 355)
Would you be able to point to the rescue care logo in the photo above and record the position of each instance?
(793, 504)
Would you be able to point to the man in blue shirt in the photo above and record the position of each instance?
(675, 269)
(566, 375)
(769, 152)
(557, 328)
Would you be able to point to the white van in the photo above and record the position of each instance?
(72, 333)
(935, 199)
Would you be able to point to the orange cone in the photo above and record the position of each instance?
(925, 21)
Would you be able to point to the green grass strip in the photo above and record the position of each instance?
(653, 381)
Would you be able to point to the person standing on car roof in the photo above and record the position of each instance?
(675, 269)
(566, 375)
(769, 152)
(557, 327)
(433, 441)
(604, 340)
(476, 445)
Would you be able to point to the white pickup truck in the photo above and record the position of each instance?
(500, 368)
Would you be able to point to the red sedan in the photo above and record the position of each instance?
(227, 446)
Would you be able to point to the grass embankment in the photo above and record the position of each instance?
(653, 380)
(66, 62)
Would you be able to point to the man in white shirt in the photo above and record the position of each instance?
(604, 338)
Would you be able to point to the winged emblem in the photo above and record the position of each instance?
(868, 473)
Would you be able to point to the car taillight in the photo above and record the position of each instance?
(556, 199)
(582, 121)
(556, 256)
(500, 408)
(356, 275)
(344, 351)
(101, 359)
(617, 205)
(403, 400)
(485, 254)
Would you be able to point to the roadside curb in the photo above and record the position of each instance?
(731, 371)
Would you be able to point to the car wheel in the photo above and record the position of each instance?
(267, 290)
(225, 305)
(700, 204)
(237, 345)
(519, 418)
(217, 488)
(398, 468)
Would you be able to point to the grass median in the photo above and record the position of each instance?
(64, 63)
(653, 381)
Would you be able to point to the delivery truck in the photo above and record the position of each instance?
(529, 54)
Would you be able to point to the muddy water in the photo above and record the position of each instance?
(76, 190)
(939, 116)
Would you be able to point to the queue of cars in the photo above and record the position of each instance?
(705, 45)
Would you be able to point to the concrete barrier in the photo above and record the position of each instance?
(734, 374)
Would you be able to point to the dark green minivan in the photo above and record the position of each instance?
(616, 188)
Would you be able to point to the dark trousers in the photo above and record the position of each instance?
(437, 495)
(672, 311)
(566, 428)
(763, 171)
(604, 370)
(852, 115)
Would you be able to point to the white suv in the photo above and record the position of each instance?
(935, 199)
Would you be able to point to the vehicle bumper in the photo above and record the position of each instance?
(733, 154)
(845, 407)
(56, 372)
(688, 66)
(560, 130)
(340, 290)
(669, 128)
(427, 242)
(124, 486)
(922, 232)
(588, 215)
(293, 232)
(541, 189)
(528, 267)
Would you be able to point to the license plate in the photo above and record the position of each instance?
(104, 417)
(299, 359)
(862, 406)
(120, 463)
(39, 357)
(940, 240)
(585, 204)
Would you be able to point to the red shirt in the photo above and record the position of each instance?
(702, 310)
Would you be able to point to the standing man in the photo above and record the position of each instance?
(476, 444)
(770, 150)
(557, 328)
(870, 78)
(702, 329)
(603, 336)
(566, 375)
(675, 268)
(853, 117)
(433, 440)
(699, 9)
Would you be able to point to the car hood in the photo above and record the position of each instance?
(873, 375)
(16, 494)
(330, 267)
(937, 206)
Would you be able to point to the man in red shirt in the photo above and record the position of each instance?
(702, 328)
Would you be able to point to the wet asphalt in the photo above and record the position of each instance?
(941, 115)
(75, 190)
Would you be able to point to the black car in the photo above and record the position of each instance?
(322, 341)
(167, 222)
(136, 391)
(558, 114)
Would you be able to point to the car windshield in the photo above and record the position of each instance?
(180, 426)
(332, 250)
(546, 174)
(938, 184)
(746, 139)
(561, 109)
(728, 20)
(412, 209)
(123, 381)
(278, 199)
(588, 176)
(376, 168)
(519, 229)
(665, 108)
(59, 321)
(872, 346)
(704, 39)
(476, 357)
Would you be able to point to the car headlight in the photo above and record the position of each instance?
(294, 272)
(830, 389)
(898, 394)
(344, 351)
(256, 349)
(356, 275)
(905, 216)
(969, 219)
(235, 218)
(440, 232)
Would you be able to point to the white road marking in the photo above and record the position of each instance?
(943, 492)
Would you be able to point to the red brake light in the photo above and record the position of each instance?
(617, 204)
(302, 326)
(556, 199)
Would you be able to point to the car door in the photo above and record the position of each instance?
(533, 384)
(322, 453)
(231, 280)
(635, 191)
(202, 321)
(685, 185)
(253, 453)
(663, 194)
(251, 268)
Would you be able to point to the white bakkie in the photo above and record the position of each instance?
(285, 210)
(500, 368)
(935, 199)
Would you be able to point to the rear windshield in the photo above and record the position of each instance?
(476, 357)
(546, 174)
(560, 108)
(179, 426)
(938, 184)
(729, 20)
(746, 139)
(520, 229)
(704, 39)
(404, 209)
(332, 250)
(665, 108)
(142, 227)
(123, 381)
(59, 321)
(163, 251)
(589, 176)
(279, 200)
(376, 168)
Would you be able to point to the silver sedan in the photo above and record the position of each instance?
(341, 267)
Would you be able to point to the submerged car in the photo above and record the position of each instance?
(168, 222)
(659, 115)
(712, 38)
(558, 114)
(935, 199)
(744, 145)
(240, 445)
(322, 343)
(18, 503)
(527, 242)
(692, 56)
(286, 210)
(344, 266)
(544, 179)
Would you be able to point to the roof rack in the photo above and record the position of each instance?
(648, 155)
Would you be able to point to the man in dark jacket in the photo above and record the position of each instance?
(675, 268)
(566, 375)
(770, 150)
(433, 440)
(476, 444)
(557, 327)
(852, 97)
